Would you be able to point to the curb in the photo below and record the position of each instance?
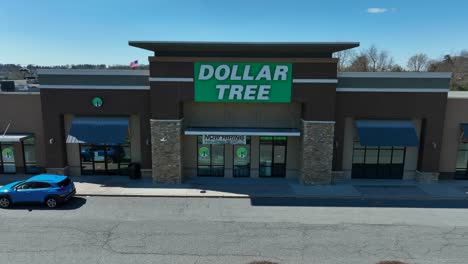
(281, 197)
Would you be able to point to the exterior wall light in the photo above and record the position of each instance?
(51, 141)
(434, 145)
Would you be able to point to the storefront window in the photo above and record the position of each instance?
(273, 156)
(210, 159)
(29, 150)
(105, 159)
(241, 154)
(461, 171)
(7, 160)
(378, 162)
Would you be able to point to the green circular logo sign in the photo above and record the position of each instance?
(97, 102)
(241, 152)
(7, 153)
(204, 152)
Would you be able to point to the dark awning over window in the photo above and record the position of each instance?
(100, 131)
(387, 133)
(464, 128)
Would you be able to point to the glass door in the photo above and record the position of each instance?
(273, 156)
(241, 155)
(105, 159)
(7, 162)
(29, 152)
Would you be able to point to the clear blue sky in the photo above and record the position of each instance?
(50, 32)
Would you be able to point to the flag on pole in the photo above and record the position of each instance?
(134, 64)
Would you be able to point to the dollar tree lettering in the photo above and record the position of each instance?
(243, 82)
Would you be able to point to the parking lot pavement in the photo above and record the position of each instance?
(198, 230)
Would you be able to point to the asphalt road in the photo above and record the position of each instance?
(181, 230)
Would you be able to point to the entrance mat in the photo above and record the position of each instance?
(391, 191)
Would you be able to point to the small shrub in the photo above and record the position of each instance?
(391, 262)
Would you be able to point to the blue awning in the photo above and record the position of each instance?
(99, 131)
(387, 133)
(464, 128)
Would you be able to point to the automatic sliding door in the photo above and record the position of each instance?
(104, 159)
(273, 156)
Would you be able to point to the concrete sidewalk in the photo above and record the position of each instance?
(248, 188)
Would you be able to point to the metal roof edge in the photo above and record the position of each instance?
(92, 72)
(438, 75)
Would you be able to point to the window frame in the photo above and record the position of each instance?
(249, 144)
(211, 167)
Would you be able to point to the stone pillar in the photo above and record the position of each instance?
(166, 149)
(316, 152)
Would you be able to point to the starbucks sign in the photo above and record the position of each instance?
(242, 82)
(97, 102)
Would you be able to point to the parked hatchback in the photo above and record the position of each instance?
(52, 190)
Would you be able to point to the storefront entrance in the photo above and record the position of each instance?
(104, 159)
(272, 156)
(271, 159)
(210, 159)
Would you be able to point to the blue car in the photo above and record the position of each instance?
(52, 190)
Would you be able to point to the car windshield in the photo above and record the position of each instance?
(64, 182)
(17, 184)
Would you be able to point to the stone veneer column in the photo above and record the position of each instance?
(166, 149)
(316, 152)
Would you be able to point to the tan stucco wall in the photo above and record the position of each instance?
(24, 112)
(411, 156)
(455, 114)
(242, 115)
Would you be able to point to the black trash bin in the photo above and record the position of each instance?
(134, 170)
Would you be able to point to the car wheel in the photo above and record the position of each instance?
(5, 202)
(51, 202)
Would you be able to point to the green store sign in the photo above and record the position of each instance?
(97, 102)
(243, 82)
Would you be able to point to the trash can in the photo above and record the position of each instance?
(134, 171)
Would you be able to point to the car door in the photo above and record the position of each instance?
(22, 192)
(39, 191)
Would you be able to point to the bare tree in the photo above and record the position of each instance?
(359, 64)
(345, 58)
(377, 60)
(418, 62)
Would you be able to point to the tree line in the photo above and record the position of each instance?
(16, 71)
(373, 59)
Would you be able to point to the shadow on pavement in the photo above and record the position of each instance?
(360, 202)
(73, 204)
